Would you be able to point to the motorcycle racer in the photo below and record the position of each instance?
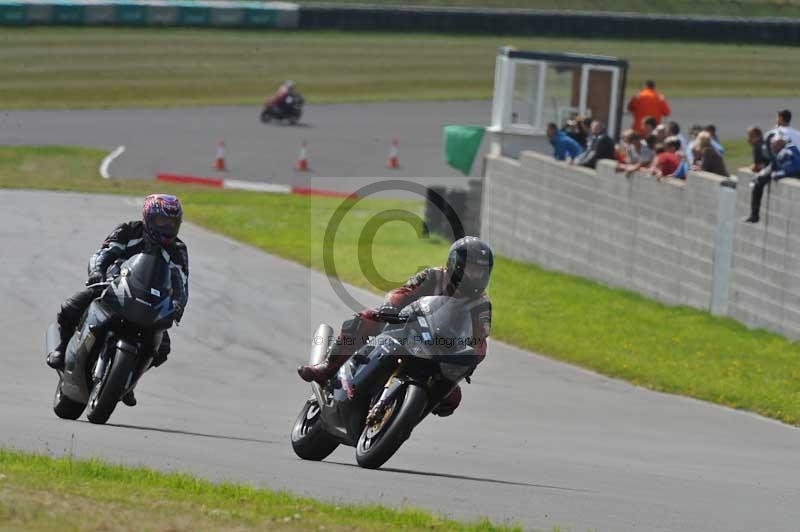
(465, 277)
(162, 215)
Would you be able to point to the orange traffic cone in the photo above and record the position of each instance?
(393, 161)
(302, 159)
(219, 163)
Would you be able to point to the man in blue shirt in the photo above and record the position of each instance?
(785, 164)
(563, 145)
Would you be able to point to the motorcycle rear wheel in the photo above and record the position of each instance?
(374, 449)
(64, 407)
(309, 439)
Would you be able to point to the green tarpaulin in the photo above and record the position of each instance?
(461, 144)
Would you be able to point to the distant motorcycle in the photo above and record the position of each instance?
(384, 390)
(114, 344)
(291, 110)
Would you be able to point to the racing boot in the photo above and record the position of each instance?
(129, 399)
(449, 404)
(755, 204)
(324, 370)
(55, 359)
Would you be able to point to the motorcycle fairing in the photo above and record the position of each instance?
(142, 292)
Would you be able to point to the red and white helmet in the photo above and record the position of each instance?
(162, 216)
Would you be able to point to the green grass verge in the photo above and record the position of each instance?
(617, 333)
(42, 493)
(728, 8)
(105, 67)
(738, 154)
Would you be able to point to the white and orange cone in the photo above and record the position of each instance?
(219, 162)
(393, 162)
(302, 159)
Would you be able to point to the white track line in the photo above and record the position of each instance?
(235, 184)
(108, 159)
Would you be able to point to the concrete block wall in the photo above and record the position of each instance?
(676, 242)
(765, 272)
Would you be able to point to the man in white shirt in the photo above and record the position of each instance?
(784, 129)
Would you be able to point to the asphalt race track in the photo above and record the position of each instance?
(535, 441)
(345, 142)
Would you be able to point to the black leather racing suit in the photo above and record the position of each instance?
(126, 240)
(428, 282)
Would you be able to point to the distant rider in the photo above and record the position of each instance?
(161, 220)
(466, 276)
(285, 91)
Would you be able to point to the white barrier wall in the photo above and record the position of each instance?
(679, 243)
(765, 282)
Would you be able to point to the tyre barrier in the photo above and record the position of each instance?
(453, 212)
(149, 13)
(550, 22)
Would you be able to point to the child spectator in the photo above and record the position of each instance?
(563, 145)
(706, 158)
(648, 103)
(786, 164)
(667, 161)
(761, 154)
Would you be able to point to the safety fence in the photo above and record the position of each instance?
(679, 243)
(535, 22)
(397, 18)
(148, 13)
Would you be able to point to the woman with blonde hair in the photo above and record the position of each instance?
(706, 158)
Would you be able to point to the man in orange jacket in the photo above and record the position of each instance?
(648, 103)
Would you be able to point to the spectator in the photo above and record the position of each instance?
(761, 153)
(667, 162)
(689, 148)
(638, 153)
(783, 122)
(599, 146)
(661, 133)
(711, 129)
(706, 158)
(674, 130)
(563, 145)
(786, 164)
(576, 130)
(648, 103)
(649, 125)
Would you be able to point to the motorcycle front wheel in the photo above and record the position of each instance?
(266, 116)
(309, 439)
(380, 441)
(107, 391)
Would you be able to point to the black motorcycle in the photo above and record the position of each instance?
(291, 110)
(115, 341)
(390, 385)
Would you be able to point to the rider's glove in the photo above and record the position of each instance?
(389, 310)
(389, 313)
(94, 278)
